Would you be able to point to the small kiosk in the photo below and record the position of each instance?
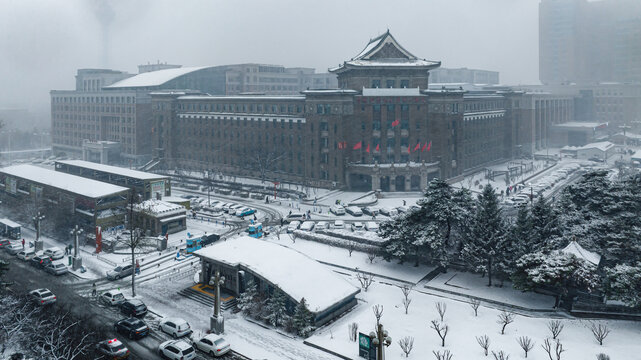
(10, 229)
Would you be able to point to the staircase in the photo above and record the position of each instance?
(206, 300)
(150, 165)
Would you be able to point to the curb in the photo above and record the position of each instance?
(326, 350)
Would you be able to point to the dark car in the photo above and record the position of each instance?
(40, 261)
(133, 327)
(134, 307)
(209, 239)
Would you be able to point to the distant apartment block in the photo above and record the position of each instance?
(464, 76)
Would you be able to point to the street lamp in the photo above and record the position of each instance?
(531, 193)
(217, 322)
(38, 244)
(77, 260)
(380, 338)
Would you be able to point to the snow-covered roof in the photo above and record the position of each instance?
(578, 251)
(153, 78)
(134, 174)
(71, 183)
(293, 272)
(603, 146)
(160, 208)
(391, 92)
(629, 135)
(581, 124)
(10, 223)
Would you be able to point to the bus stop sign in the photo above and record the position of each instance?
(365, 348)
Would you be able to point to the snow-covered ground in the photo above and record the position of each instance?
(576, 337)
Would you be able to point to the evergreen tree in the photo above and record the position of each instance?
(303, 319)
(4, 267)
(397, 235)
(247, 300)
(485, 243)
(623, 282)
(545, 227)
(276, 308)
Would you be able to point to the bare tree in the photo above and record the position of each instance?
(441, 307)
(378, 313)
(526, 344)
(265, 161)
(600, 331)
(484, 342)
(445, 355)
(406, 289)
(555, 327)
(554, 349)
(500, 355)
(475, 304)
(350, 247)
(441, 330)
(505, 318)
(136, 239)
(602, 356)
(371, 255)
(353, 331)
(365, 279)
(406, 344)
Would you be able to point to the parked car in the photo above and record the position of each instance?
(42, 296)
(354, 211)
(371, 210)
(134, 307)
(213, 345)
(337, 210)
(175, 327)
(112, 297)
(402, 209)
(56, 268)
(321, 225)
(4, 242)
(113, 349)
(54, 253)
(385, 211)
(371, 226)
(234, 208)
(357, 226)
(295, 216)
(307, 226)
(25, 255)
(133, 327)
(293, 226)
(245, 212)
(40, 261)
(339, 224)
(176, 350)
(13, 248)
(120, 272)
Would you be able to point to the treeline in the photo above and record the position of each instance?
(602, 215)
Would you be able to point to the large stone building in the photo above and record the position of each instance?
(583, 41)
(383, 128)
(115, 106)
(464, 76)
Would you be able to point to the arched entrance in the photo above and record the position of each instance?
(415, 183)
(400, 183)
(360, 182)
(385, 183)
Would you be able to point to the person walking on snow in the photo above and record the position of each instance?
(93, 291)
(22, 243)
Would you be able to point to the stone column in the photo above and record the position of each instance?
(376, 182)
(408, 182)
(392, 183)
(424, 180)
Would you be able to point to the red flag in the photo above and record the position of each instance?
(340, 145)
(344, 144)
(424, 146)
(367, 148)
(408, 149)
(378, 147)
(418, 146)
(358, 145)
(429, 146)
(395, 122)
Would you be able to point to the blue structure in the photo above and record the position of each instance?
(255, 230)
(194, 244)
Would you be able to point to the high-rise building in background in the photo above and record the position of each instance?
(587, 42)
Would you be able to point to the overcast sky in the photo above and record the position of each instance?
(43, 42)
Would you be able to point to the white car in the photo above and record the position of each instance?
(371, 226)
(213, 345)
(307, 226)
(54, 253)
(337, 210)
(13, 248)
(176, 350)
(25, 255)
(293, 226)
(354, 211)
(175, 327)
(339, 224)
(357, 226)
(321, 225)
(113, 349)
(43, 297)
(112, 297)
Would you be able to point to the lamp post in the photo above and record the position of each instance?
(38, 244)
(77, 260)
(217, 322)
(531, 194)
(380, 338)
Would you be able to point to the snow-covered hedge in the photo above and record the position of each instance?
(362, 237)
(334, 241)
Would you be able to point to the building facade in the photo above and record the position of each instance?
(464, 75)
(383, 128)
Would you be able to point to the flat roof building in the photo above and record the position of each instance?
(148, 185)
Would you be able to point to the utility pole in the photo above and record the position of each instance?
(217, 322)
(38, 244)
(77, 260)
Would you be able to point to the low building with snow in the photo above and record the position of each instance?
(580, 252)
(600, 150)
(272, 266)
(160, 218)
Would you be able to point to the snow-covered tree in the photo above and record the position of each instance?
(247, 301)
(276, 308)
(545, 226)
(396, 233)
(484, 245)
(303, 319)
(557, 270)
(623, 282)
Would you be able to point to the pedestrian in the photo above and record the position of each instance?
(22, 243)
(404, 203)
(93, 291)
(255, 217)
(137, 267)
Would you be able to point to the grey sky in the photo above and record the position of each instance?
(43, 42)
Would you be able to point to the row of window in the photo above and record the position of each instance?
(244, 108)
(94, 99)
(390, 83)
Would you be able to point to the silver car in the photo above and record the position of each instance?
(120, 272)
(56, 268)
